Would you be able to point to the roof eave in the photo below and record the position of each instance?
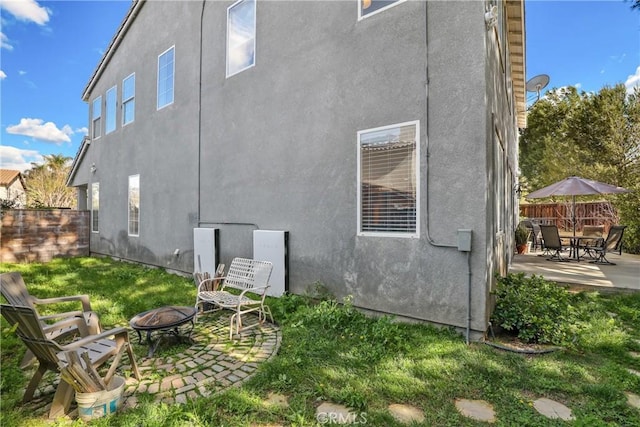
(113, 45)
(77, 159)
(517, 49)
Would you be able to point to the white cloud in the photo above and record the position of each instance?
(82, 131)
(18, 159)
(2, 75)
(27, 10)
(633, 81)
(22, 72)
(4, 42)
(36, 128)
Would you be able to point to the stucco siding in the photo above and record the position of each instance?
(160, 145)
(275, 146)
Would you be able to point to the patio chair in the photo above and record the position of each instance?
(587, 244)
(536, 237)
(613, 243)
(245, 276)
(51, 355)
(552, 242)
(15, 292)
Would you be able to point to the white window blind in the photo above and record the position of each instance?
(388, 179)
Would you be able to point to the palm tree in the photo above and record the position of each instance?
(46, 183)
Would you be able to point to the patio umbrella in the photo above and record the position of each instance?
(576, 186)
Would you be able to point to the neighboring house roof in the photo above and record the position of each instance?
(515, 39)
(9, 176)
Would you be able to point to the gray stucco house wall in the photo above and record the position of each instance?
(276, 146)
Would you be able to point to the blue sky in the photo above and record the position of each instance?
(50, 49)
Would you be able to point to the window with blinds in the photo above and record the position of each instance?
(388, 174)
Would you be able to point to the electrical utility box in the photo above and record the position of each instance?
(206, 250)
(272, 245)
(464, 240)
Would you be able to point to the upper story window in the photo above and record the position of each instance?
(96, 117)
(95, 206)
(129, 99)
(134, 205)
(388, 175)
(241, 36)
(110, 110)
(367, 8)
(166, 67)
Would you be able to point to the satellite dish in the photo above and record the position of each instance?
(537, 83)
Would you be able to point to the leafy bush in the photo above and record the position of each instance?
(522, 235)
(536, 309)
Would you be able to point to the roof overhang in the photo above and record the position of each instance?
(78, 159)
(516, 41)
(113, 45)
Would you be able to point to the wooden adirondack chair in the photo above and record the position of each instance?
(51, 355)
(15, 292)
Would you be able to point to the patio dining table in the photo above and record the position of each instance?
(574, 242)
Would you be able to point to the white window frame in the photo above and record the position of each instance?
(410, 234)
(108, 112)
(382, 9)
(133, 180)
(249, 40)
(129, 101)
(95, 207)
(173, 79)
(96, 121)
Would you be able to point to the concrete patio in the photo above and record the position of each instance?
(624, 276)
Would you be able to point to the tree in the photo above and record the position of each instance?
(596, 136)
(46, 183)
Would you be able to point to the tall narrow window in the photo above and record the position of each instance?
(388, 180)
(96, 117)
(134, 205)
(110, 111)
(241, 36)
(128, 99)
(95, 206)
(165, 77)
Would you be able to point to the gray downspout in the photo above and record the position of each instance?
(468, 295)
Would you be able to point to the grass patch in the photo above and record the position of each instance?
(332, 352)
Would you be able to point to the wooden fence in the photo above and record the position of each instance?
(587, 213)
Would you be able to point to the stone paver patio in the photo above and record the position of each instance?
(209, 365)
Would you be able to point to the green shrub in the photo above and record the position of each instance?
(536, 309)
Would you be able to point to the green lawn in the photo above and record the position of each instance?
(331, 352)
